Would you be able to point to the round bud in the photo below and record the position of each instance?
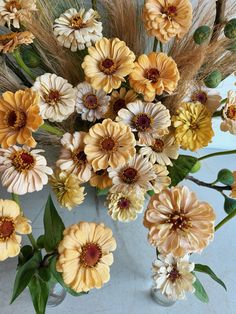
(225, 176)
(31, 58)
(201, 34)
(213, 79)
(230, 29)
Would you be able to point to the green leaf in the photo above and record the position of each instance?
(150, 192)
(207, 270)
(26, 253)
(24, 275)
(53, 226)
(40, 242)
(181, 168)
(229, 204)
(44, 273)
(102, 192)
(39, 291)
(200, 292)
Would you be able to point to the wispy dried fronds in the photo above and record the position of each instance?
(8, 80)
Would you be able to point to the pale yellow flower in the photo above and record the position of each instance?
(100, 179)
(229, 114)
(162, 180)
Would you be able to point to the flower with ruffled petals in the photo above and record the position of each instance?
(10, 41)
(85, 256)
(100, 179)
(73, 158)
(11, 223)
(166, 19)
(109, 144)
(78, 30)
(229, 114)
(108, 63)
(178, 223)
(162, 180)
(173, 276)
(154, 74)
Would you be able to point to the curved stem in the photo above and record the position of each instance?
(209, 185)
(225, 220)
(155, 44)
(94, 4)
(161, 47)
(51, 129)
(16, 54)
(227, 152)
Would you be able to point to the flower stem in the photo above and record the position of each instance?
(209, 185)
(217, 113)
(155, 44)
(226, 219)
(52, 129)
(94, 4)
(17, 55)
(227, 152)
(161, 47)
(223, 101)
(32, 241)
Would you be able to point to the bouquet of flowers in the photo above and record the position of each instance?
(84, 77)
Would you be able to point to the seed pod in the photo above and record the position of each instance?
(31, 58)
(230, 29)
(201, 34)
(213, 79)
(226, 177)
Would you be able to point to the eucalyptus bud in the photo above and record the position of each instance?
(213, 79)
(230, 29)
(201, 34)
(31, 58)
(196, 167)
(226, 177)
(229, 205)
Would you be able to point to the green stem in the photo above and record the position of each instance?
(94, 4)
(17, 55)
(227, 152)
(32, 241)
(225, 220)
(209, 185)
(51, 129)
(161, 47)
(217, 113)
(223, 101)
(155, 44)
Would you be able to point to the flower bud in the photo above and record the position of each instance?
(225, 176)
(31, 58)
(229, 205)
(230, 29)
(213, 79)
(201, 34)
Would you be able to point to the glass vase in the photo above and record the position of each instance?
(57, 295)
(161, 298)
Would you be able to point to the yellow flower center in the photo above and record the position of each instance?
(108, 66)
(142, 122)
(15, 119)
(200, 96)
(79, 158)
(152, 75)
(7, 228)
(108, 144)
(118, 104)
(91, 101)
(158, 146)
(22, 160)
(174, 274)
(231, 112)
(11, 5)
(53, 97)
(76, 22)
(129, 175)
(178, 221)
(124, 203)
(90, 255)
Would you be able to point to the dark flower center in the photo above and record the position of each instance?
(129, 175)
(158, 146)
(108, 66)
(108, 144)
(200, 96)
(76, 22)
(22, 160)
(152, 75)
(119, 104)
(7, 228)
(174, 274)
(142, 122)
(231, 112)
(16, 119)
(171, 10)
(124, 203)
(53, 97)
(91, 101)
(90, 255)
(80, 157)
(178, 221)
(101, 172)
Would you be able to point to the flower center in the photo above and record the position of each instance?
(22, 160)
(152, 75)
(178, 221)
(174, 274)
(118, 104)
(53, 97)
(124, 203)
(200, 96)
(231, 112)
(11, 5)
(101, 172)
(90, 255)
(91, 101)
(7, 228)
(171, 10)
(108, 144)
(80, 158)
(6, 38)
(129, 175)
(142, 122)
(76, 22)
(15, 119)
(158, 146)
(108, 66)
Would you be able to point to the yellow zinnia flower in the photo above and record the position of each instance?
(193, 126)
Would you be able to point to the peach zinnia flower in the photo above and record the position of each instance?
(19, 116)
(85, 256)
(229, 114)
(11, 223)
(100, 179)
(108, 63)
(154, 74)
(109, 144)
(178, 223)
(10, 41)
(166, 19)
(162, 181)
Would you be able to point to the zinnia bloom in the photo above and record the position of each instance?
(173, 276)
(67, 189)
(11, 223)
(125, 207)
(108, 63)
(90, 103)
(77, 30)
(119, 100)
(100, 179)
(178, 223)
(229, 114)
(57, 97)
(85, 256)
(148, 119)
(154, 74)
(19, 116)
(166, 19)
(136, 175)
(233, 187)
(15, 11)
(161, 150)
(193, 126)
(73, 158)
(109, 144)
(10, 41)
(162, 180)
(23, 171)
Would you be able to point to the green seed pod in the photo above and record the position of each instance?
(196, 167)
(225, 176)
(230, 29)
(229, 205)
(213, 79)
(201, 34)
(31, 58)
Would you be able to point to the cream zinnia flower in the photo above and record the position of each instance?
(15, 11)
(11, 223)
(108, 63)
(91, 104)
(136, 175)
(229, 114)
(57, 97)
(162, 180)
(109, 144)
(148, 119)
(100, 179)
(161, 150)
(178, 223)
(173, 276)
(125, 207)
(77, 30)
(73, 158)
(67, 189)
(10, 41)
(85, 256)
(23, 171)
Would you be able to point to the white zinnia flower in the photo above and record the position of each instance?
(90, 103)
(77, 30)
(57, 97)
(229, 114)
(173, 276)
(162, 180)
(23, 171)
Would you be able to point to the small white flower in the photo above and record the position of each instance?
(77, 30)
(57, 97)
(162, 180)
(90, 103)
(229, 114)
(173, 276)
